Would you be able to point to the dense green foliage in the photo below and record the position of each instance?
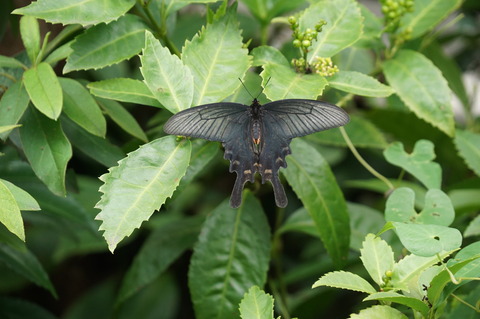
(385, 208)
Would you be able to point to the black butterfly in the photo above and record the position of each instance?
(256, 138)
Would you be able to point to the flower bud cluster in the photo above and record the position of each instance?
(393, 11)
(324, 66)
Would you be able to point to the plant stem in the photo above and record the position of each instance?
(363, 162)
(162, 30)
(279, 299)
(465, 303)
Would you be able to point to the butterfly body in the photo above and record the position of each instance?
(256, 138)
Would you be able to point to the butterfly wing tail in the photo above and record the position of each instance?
(236, 198)
(279, 192)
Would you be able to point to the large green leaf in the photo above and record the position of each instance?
(173, 238)
(47, 149)
(24, 263)
(345, 280)
(256, 304)
(217, 59)
(344, 26)
(359, 84)
(428, 240)
(125, 90)
(170, 82)
(107, 44)
(284, 83)
(377, 258)
(426, 15)
(81, 107)
(232, 255)
(44, 89)
(13, 104)
(10, 214)
(97, 148)
(361, 132)
(123, 118)
(314, 183)
(139, 185)
(422, 87)
(419, 163)
(30, 32)
(84, 12)
(437, 210)
(468, 145)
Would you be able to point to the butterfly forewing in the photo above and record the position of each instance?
(213, 122)
(295, 118)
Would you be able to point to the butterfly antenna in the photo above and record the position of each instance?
(245, 88)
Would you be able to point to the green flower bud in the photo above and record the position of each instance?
(292, 20)
(306, 43)
(297, 43)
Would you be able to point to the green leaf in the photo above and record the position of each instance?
(344, 26)
(20, 308)
(80, 106)
(170, 82)
(47, 149)
(125, 90)
(256, 304)
(391, 296)
(363, 220)
(362, 133)
(359, 84)
(74, 11)
(377, 258)
(437, 210)
(44, 89)
(9, 62)
(314, 183)
(24, 263)
(8, 128)
(299, 221)
(438, 292)
(284, 83)
(139, 185)
(12, 106)
(473, 228)
(123, 118)
(428, 240)
(407, 270)
(422, 87)
(174, 238)
(467, 144)
(24, 200)
(106, 44)
(266, 10)
(202, 153)
(30, 32)
(59, 54)
(97, 148)
(379, 312)
(10, 214)
(240, 241)
(419, 163)
(266, 54)
(345, 280)
(217, 59)
(426, 15)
